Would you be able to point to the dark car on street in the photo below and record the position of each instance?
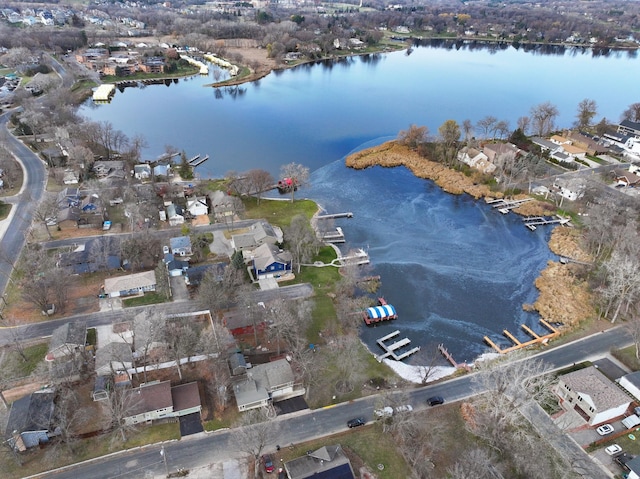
(358, 421)
(435, 400)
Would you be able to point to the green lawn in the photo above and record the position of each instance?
(148, 298)
(5, 209)
(278, 212)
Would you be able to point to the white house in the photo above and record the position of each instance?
(130, 285)
(159, 400)
(197, 206)
(590, 391)
(476, 159)
(631, 383)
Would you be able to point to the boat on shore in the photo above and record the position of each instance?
(286, 185)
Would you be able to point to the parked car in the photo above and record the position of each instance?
(435, 400)
(267, 462)
(604, 429)
(404, 408)
(358, 421)
(384, 412)
(613, 449)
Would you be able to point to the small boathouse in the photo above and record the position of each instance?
(382, 312)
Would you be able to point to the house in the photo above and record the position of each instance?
(328, 462)
(197, 206)
(70, 177)
(593, 395)
(571, 189)
(161, 170)
(224, 206)
(264, 383)
(97, 254)
(260, 233)
(113, 358)
(181, 246)
(591, 146)
(67, 218)
(68, 197)
(30, 418)
(630, 128)
(67, 340)
(142, 171)
(109, 168)
(476, 159)
(194, 276)
(631, 383)
(158, 400)
(174, 215)
(634, 468)
(497, 152)
(545, 145)
(175, 267)
(239, 323)
(269, 261)
(237, 364)
(626, 178)
(130, 285)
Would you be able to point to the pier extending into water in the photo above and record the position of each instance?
(391, 348)
(348, 214)
(537, 339)
(504, 205)
(532, 222)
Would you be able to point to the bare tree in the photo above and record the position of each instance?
(467, 129)
(255, 432)
(486, 125)
(632, 113)
(449, 133)
(623, 282)
(120, 405)
(181, 338)
(215, 294)
(587, 110)
(148, 332)
(299, 175)
(301, 240)
(163, 285)
(523, 124)
(543, 117)
(259, 181)
(413, 137)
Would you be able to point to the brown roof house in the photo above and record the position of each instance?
(328, 462)
(592, 395)
(159, 400)
(264, 383)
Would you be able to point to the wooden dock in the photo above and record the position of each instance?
(390, 349)
(335, 216)
(449, 358)
(336, 236)
(360, 257)
(537, 339)
(532, 222)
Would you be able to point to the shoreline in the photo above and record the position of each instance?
(562, 298)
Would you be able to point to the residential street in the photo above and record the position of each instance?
(206, 448)
(14, 229)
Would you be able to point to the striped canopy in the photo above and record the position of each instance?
(380, 312)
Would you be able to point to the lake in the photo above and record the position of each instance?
(455, 269)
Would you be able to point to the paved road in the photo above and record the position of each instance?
(204, 448)
(16, 227)
(44, 329)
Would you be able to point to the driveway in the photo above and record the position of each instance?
(179, 288)
(220, 245)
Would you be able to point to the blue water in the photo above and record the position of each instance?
(455, 269)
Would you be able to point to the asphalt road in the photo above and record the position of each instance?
(24, 204)
(205, 448)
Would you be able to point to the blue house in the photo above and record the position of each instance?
(269, 261)
(30, 420)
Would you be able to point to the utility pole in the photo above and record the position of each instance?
(164, 458)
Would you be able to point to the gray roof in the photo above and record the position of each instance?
(113, 353)
(31, 413)
(633, 125)
(590, 383)
(267, 254)
(328, 462)
(263, 231)
(180, 242)
(244, 240)
(263, 379)
(69, 334)
(544, 143)
(249, 392)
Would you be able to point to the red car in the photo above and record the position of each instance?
(267, 461)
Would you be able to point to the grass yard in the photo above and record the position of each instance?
(278, 212)
(147, 298)
(5, 209)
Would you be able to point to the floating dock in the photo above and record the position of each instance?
(358, 258)
(537, 339)
(200, 161)
(390, 350)
(104, 93)
(336, 236)
(504, 206)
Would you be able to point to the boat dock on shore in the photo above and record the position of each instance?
(532, 222)
(199, 161)
(391, 350)
(348, 214)
(537, 339)
(504, 206)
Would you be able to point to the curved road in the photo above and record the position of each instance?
(16, 226)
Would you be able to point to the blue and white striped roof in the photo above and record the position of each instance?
(380, 312)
